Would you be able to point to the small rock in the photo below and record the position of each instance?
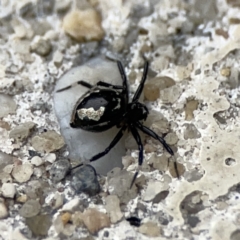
(5, 177)
(193, 175)
(41, 46)
(226, 72)
(191, 132)
(95, 220)
(21, 46)
(22, 198)
(171, 94)
(171, 138)
(127, 161)
(84, 179)
(8, 105)
(221, 32)
(153, 189)
(8, 190)
(191, 106)
(38, 172)
(57, 200)
(62, 5)
(159, 162)
(145, 167)
(8, 169)
(40, 224)
(71, 205)
(161, 125)
(17, 235)
(37, 161)
(152, 87)
(160, 196)
(149, 148)
(30, 208)
(207, 10)
(5, 159)
(57, 58)
(40, 27)
(113, 208)
(83, 25)
(150, 229)
(221, 205)
(24, 6)
(77, 219)
(47, 142)
(19, 29)
(50, 157)
(68, 230)
(22, 173)
(22, 131)
(119, 182)
(180, 168)
(65, 217)
(3, 211)
(59, 170)
(4, 125)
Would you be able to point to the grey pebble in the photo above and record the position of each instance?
(59, 170)
(40, 224)
(84, 179)
(22, 131)
(7, 105)
(30, 208)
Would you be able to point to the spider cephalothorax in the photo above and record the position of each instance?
(106, 105)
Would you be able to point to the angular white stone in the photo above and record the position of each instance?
(83, 144)
(8, 190)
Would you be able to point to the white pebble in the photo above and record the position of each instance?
(50, 157)
(37, 161)
(3, 211)
(8, 190)
(69, 206)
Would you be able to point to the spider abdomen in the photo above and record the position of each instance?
(98, 110)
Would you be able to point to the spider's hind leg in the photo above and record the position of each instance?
(151, 133)
(82, 83)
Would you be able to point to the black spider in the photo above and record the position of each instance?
(106, 105)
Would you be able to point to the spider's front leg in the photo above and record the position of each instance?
(82, 83)
(108, 85)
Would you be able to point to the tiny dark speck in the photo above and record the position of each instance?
(134, 221)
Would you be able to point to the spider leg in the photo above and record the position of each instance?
(140, 148)
(108, 85)
(151, 133)
(111, 145)
(124, 78)
(82, 83)
(141, 85)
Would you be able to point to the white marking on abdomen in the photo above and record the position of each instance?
(90, 113)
